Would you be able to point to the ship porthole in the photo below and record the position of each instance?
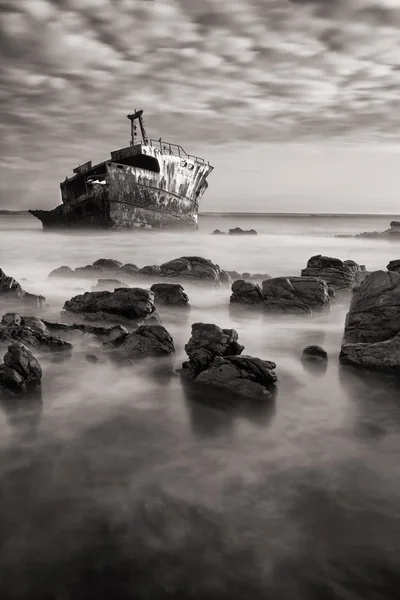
(183, 163)
(190, 166)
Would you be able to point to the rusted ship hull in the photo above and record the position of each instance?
(140, 187)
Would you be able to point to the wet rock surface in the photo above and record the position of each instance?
(32, 332)
(11, 292)
(338, 274)
(21, 372)
(246, 293)
(170, 294)
(195, 268)
(302, 295)
(148, 341)
(372, 326)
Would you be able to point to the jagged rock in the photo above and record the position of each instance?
(62, 272)
(147, 341)
(394, 265)
(314, 354)
(380, 356)
(295, 294)
(107, 264)
(374, 313)
(11, 319)
(170, 294)
(338, 274)
(206, 342)
(244, 292)
(240, 231)
(241, 375)
(14, 319)
(126, 303)
(108, 284)
(20, 372)
(116, 336)
(195, 268)
(12, 292)
(218, 232)
(33, 338)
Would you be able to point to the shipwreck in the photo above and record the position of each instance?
(149, 184)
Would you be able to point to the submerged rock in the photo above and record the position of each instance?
(242, 375)
(296, 294)
(338, 274)
(146, 342)
(244, 292)
(127, 303)
(372, 327)
(11, 292)
(21, 372)
(170, 294)
(314, 354)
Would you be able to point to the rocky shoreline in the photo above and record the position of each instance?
(126, 322)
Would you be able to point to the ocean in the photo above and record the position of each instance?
(124, 486)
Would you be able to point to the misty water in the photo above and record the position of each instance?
(123, 485)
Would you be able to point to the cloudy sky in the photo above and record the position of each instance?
(296, 103)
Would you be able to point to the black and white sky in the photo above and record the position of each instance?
(293, 102)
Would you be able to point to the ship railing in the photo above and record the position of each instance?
(176, 150)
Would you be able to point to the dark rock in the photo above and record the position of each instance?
(92, 358)
(35, 323)
(149, 271)
(339, 275)
(12, 292)
(380, 356)
(88, 272)
(170, 294)
(62, 272)
(116, 336)
(107, 264)
(195, 268)
(295, 294)
(129, 269)
(374, 313)
(128, 303)
(108, 284)
(206, 342)
(218, 232)
(147, 341)
(20, 372)
(392, 233)
(11, 319)
(244, 292)
(240, 231)
(234, 275)
(258, 277)
(241, 375)
(394, 265)
(33, 338)
(314, 354)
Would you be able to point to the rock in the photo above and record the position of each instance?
(206, 342)
(62, 272)
(374, 313)
(339, 275)
(240, 231)
(147, 341)
(295, 294)
(218, 232)
(258, 277)
(380, 356)
(32, 338)
(108, 284)
(35, 323)
(88, 272)
(392, 233)
(314, 354)
(170, 294)
(107, 264)
(92, 358)
(244, 292)
(20, 372)
(241, 375)
(116, 336)
(128, 303)
(234, 275)
(394, 265)
(195, 268)
(11, 319)
(129, 269)
(12, 292)
(149, 271)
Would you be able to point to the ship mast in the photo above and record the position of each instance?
(137, 115)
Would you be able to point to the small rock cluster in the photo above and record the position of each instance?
(236, 231)
(215, 360)
(170, 294)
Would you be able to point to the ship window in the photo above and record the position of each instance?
(142, 161)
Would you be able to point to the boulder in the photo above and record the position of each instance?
(34, 338)
(339, 275)
(146, 342)
(218, 232)
(374, 313)
(241, 375)
(88, 272)
(240, 231)
(107, 264)
(170, 294)
(195, 268)
(127, 303)
(20, 372)
(62, 272)
(296, 294)
(12, 292)
(314, 354)
(129, 269)
(379, 356)
(247, 293)
(206, 342)
(394, 265)
(108, 284)
(149, 271)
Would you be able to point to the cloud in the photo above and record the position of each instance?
(204, 73)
